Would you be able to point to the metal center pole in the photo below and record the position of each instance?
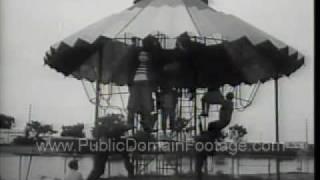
(276, 86)
(277, 109)
(195, 112)
(98, 82)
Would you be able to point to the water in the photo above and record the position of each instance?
(55, 166)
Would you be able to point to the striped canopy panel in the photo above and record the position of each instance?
(234, 51)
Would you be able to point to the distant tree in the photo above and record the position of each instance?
(38, 129)
(33, 132)
(6, 122)
(237, 133)
(111, 125)
(73, 131)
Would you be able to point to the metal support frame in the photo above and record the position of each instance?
(195, 115)
(192, 109)
(98, 88)
(276, 88)
(29, 167)
(65, 166)
(242, 102)
(20, 167)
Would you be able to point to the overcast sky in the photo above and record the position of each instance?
(28, 28)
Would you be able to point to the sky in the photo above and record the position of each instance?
(28, 28)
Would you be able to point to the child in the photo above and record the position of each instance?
(214, 132)
(213, 96)
(73, 173)
(141, 89)
(168, 103)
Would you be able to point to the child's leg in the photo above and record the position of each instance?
(133, 103)
(218, 125)
(99, 164)
(128, 165)
(200, 159)
(146, 102)
(131, 119)
(146, 121)
(172, 118)
(164, 115)
(205, 106)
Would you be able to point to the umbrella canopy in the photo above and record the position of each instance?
(228, 50)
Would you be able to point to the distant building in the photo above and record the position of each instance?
(8, 135)
(296, 145)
